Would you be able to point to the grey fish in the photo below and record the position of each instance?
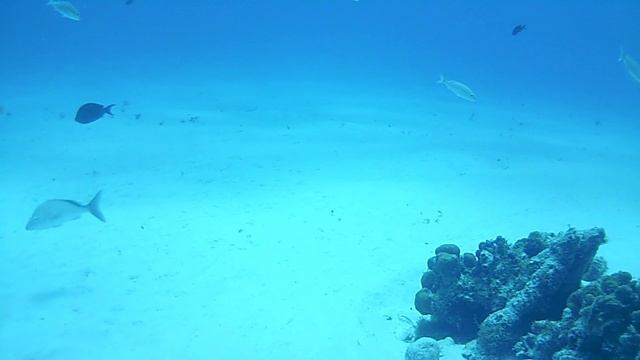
(53, 213)
(632, 66)
(458, 88)
(91, 112)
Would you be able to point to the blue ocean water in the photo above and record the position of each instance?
(276, 172)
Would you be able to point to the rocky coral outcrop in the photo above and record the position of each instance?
(423, 349)
(601, 321)
(498, 292)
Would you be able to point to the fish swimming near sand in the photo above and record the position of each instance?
(66, 9)
(91, 112)
(458, 88)
(632, 66)
(54, 213)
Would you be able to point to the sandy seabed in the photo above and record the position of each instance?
(252, 224)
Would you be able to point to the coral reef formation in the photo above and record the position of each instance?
(601, 321)
(496, 294)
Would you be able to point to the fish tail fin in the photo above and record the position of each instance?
(94, 207)
(107, 109)
(441, 81)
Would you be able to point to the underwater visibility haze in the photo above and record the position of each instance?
(330, 179)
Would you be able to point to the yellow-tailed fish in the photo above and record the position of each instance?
(66, 9)
(632, 66)
(458, 88)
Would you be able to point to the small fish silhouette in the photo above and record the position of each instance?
(91, 112)
(518, 29)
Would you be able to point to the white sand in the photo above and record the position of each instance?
(279, 224)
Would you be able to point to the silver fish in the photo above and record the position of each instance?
(53, 213)
(66, 9)
(632, 66)
(458, 88)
